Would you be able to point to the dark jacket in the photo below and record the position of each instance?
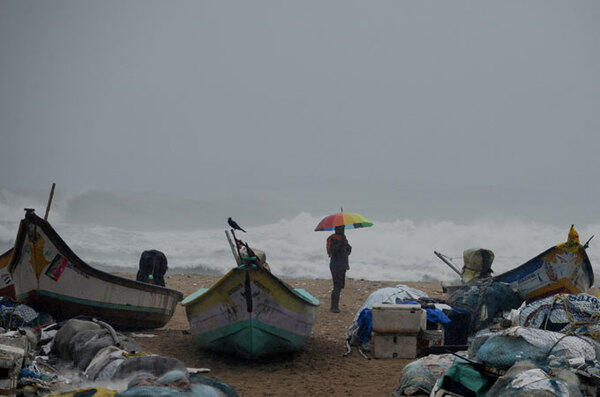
(338, 250)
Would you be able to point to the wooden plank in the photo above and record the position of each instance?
(233, 250)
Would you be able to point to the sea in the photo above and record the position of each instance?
(110, 229)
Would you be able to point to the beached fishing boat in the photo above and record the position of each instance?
(250, 312)
(564, 268)
(7, 287)
(47, 274)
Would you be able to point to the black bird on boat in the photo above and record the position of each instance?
(234, 225)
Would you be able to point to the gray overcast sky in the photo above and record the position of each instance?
(189, 96)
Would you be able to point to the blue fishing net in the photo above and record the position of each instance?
(504, 351)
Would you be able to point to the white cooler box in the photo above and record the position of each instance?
(398, 319)
(394, 346)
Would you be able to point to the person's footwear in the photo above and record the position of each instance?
(334, 310)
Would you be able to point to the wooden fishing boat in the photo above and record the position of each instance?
(47, 274)
(250, 312)
(564, 268)
(7, 287)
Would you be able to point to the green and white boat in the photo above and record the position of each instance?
(252, 313)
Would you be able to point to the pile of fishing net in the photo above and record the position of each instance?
(420, 376)
(526, 379)
(172, 384)
(522, 379)
(502, 349)
(15, 315)
(177, 384)
(485, 300)
(104, 354)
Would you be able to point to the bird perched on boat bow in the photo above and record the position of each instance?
(234, 225)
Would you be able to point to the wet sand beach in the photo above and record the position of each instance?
(319, 369)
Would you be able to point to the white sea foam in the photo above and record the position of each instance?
(395, 250)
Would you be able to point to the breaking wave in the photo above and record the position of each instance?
(397, 250)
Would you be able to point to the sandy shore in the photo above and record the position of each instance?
(320, 369)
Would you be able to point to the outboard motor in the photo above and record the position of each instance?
(153, 266)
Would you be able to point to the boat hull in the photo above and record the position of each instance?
(560, 269)
(249, 312)
(49, 276)
(7, 287)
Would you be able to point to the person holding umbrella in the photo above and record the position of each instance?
(338, 249)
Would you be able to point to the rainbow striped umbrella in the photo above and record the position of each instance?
(348, 220)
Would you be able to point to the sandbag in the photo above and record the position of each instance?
(152, 268)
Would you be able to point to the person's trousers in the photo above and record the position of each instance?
(338, 274)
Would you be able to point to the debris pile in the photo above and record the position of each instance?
(66, 356)
(525, 335)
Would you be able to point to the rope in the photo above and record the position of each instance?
(593, 318)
